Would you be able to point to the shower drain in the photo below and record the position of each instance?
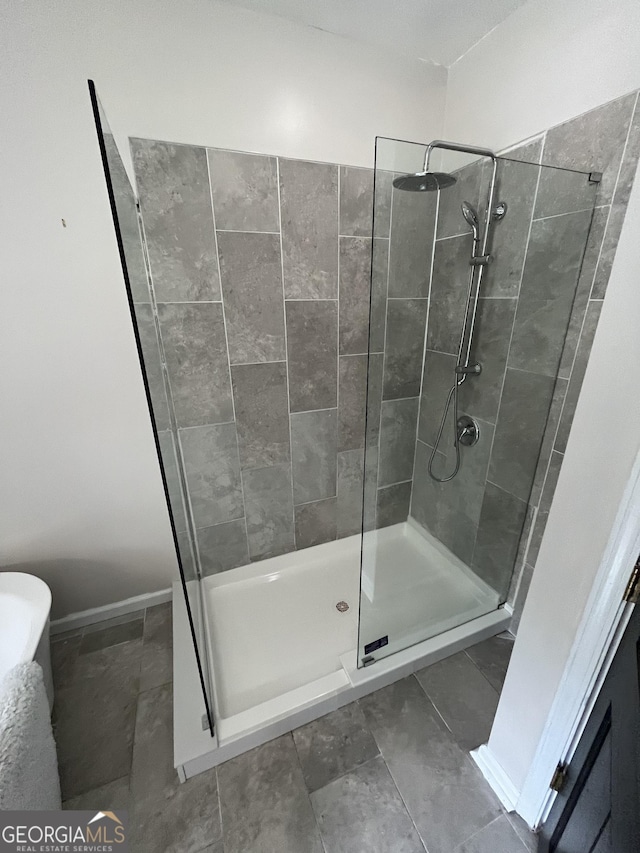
(342, 606)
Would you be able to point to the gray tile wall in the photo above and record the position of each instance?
(404, 226)
(606, 139)
(532, 372)
(261, 270)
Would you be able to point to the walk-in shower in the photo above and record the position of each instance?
(349, 384)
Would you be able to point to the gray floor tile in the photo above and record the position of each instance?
(114, 795)
(463, 697)
(492, 658)
(528, 838)
(95, 717)
(157, 647)
(111, 634)
(497, 837)
(333, 745)
(443, 791)
(362, 812)
(166, 815)
(264, 802)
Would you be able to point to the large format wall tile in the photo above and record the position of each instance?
(152, 364)
(392, 505)
(245, 191)
(196, 351)
(355, 278)
(223, 546)
(251, 272)
(356, 201)
(590, 264)
(466, 188)
(397, 441)
(316, 523)
(314, 448)
(213, 473)
(516, 185)
(312, 351)
(449, 290)
(550, 483)
(592, 142)
(564, 192)
(269, 509)
(438, 379)
(411, 243)
(451, 511)
(608, 249)
(554, 258)
(480, 395)
(559, 393)
(406, 319)
(173, 184)
(577, 374)
(459, 502)
(629, 163)
(262, 413)
(522, 418)
(499, 531)
(127, 222)
(350, 474)
(378, 297)
(382, 190)
(352, 397)
(309, 212)
(170, 465)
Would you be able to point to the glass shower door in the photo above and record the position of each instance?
(131, 246)
(440, 545)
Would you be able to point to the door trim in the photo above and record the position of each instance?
(602, 626)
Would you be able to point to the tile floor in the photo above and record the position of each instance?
(388, 774)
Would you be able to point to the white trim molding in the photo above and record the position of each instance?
(492, 771)
(595, 644)
(109, 611)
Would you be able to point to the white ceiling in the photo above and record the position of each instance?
(438, 31)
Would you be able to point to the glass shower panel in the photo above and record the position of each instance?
(124, 209)
(440, 546)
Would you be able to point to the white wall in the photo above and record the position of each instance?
(546, 63)
(80, 494)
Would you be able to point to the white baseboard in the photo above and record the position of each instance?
(502, 786)
(108, 611)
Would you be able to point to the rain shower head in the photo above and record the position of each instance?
(470, 216)
(424, 182)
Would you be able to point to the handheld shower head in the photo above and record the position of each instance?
(471, 217)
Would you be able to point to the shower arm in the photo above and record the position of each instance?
(478, 260)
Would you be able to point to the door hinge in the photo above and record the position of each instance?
(559, 777)
(632, 590)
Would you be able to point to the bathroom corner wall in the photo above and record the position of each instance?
(261, 272)
(605, 139)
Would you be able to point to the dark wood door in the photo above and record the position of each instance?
(598, 808)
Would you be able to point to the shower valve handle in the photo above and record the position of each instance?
(475, 369)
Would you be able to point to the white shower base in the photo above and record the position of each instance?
(281, 654)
